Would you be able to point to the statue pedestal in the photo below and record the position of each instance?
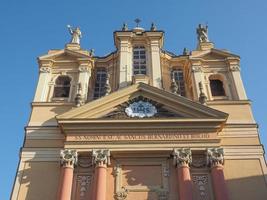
(205, 46)
(73, 46)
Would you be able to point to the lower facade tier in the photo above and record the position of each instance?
(219, 173)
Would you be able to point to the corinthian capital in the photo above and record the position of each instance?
(68, 157)
(215, 156)
(45, 69)
(101, 156)
(182, 157)
(196, 68)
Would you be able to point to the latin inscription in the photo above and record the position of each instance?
(142, 137)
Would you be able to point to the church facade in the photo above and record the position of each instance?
(141, 123)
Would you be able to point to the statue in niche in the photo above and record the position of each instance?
(76, 34)
(202, 33)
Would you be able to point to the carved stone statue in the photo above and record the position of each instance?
(76, 34)
(202, 33)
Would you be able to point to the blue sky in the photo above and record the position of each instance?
(30, 28)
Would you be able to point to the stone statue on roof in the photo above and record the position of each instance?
(76, 34)
(202, 33)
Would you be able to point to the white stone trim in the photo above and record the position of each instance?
(17, 182)
(40, 154)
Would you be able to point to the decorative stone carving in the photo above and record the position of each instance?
(124, 27)
(199, 161)
(234, 68)
(117, 170)
(45, 69)
(186, 52)
(166, 171)
(83, 182)
(153, 27)
(174, 87)
(215, 156)
(84, 162)
(120, 113)
(68, 157)
(101, 157)
(141, 109)
(182, 157)
(122, 194)
(107, 85)
(201, 184)
(196, 69)
(76, 34)
(162, 195)
(202, 33)
(202, 96)
(84, 69)
(91, 52)
(79, 99)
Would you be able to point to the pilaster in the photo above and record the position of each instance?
(84, 76)
(44, 78)
(155, 64)
(234, 69)
(122, 40)
(197, 75)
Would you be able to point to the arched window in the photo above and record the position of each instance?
(62, 87)
(216, 87)
(100, 81)
(139, 60)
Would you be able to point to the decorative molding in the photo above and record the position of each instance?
(234, 68)
(68, 157)
(83, 181)
(201, 184)
(141, 109)
(101, 157)
(45, 69)
(122, 194)
(84, 162)
(182, 157)
(84, 68)
(215, 156)
(199, 161)
(120, 113)
(166, 171)
(162, 194)
(196, 68)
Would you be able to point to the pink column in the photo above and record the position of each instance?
(101, 160)
(101, 183)
(216, 160)
(68, 160)
(182, 159)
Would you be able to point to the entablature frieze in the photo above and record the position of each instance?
(156, 136)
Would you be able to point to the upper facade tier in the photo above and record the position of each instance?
(77, 76)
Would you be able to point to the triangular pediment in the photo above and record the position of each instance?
(168, 105)
(65, 55)
(214, 54)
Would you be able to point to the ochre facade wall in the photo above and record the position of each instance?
(39, 180)
(245, 179)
